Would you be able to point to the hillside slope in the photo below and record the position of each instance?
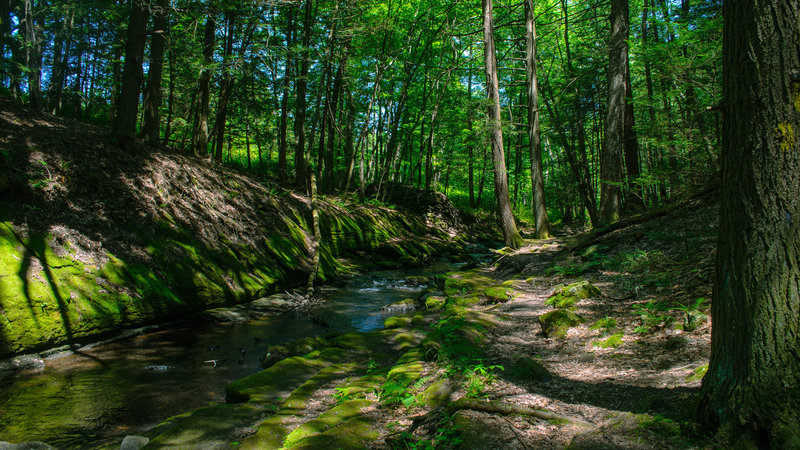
(95, 238)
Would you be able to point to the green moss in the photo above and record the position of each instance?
(213, 426)
(697, 374)
(613, 341)
(498, 293)
(463, 283)
(556, 323)
(397, 322)
(566, 296)
(433, 303)
(334, 417)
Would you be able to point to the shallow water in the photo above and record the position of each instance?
(97, 396)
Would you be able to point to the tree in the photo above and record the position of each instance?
(752, 388)
(302, 85)
(33, 55)
(127, 109)
(509, 227)
(152, 94)
(200, 133)
(611, 162)
(535, 142)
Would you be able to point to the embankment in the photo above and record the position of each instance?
(95, 238)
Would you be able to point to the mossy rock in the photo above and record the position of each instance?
(566, 296)
(463, 283)
(408, 304)
(437, 394)
(397, 322)
(356, 432)
(300, 347)
(278, 381)
(210, 427)
(530, 369)
(434, 302)
(417, 280)
(335, 417)
(498, 293)
(556, 323)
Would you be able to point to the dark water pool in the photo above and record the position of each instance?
(97, 396)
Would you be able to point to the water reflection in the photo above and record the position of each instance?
(98, 396)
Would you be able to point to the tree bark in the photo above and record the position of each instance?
(752, 388)
(611, 161)
(287, 74)
(509, 227)
(300, 116)
(200, 134)
(125, 121)
(152, 94)
(33, 56)
(535, 142)
(226, 85)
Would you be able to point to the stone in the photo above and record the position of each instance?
(33, 445)
(404, 305)
(566, 296)
(133, 442)
(556, 323)
(437, 394)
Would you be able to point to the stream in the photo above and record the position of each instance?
(95, 397)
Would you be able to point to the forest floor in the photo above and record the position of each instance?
(627, 377)
(474, 368)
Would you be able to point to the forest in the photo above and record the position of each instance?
(400, 224)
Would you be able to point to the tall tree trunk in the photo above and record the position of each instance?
(200, 134)
(635, 194)
(472, 141)
(611, 161)
(535, 142)
(33, 56)
(125, 122)
(302, 84)
(226, 85)
(329, 183)
(61, 40)
(152, 94)
(509, 227)
(752, 388)
(170, 95)
(287, 74)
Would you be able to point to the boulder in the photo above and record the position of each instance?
(134, 442)
(556, 323)
(566, 296)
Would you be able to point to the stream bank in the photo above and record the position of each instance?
(95, 238)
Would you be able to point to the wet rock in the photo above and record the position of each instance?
(233, 314)
(22, 362)
(274, 304)
(417, 280)
(556, 323)
(566, 296)
(401, 306)
(33, 445)
(134, 442)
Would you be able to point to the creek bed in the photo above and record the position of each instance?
(96, 397)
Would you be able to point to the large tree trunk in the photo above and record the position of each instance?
(635, 193)
(287, 74)
(537, 174)
(510, 233)
(226, 86)
(752, 388)
(62, 39)
(302, 85)
(200, 134)
(152, 94)
(125, 121)
(33, 56)
(611, 161)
